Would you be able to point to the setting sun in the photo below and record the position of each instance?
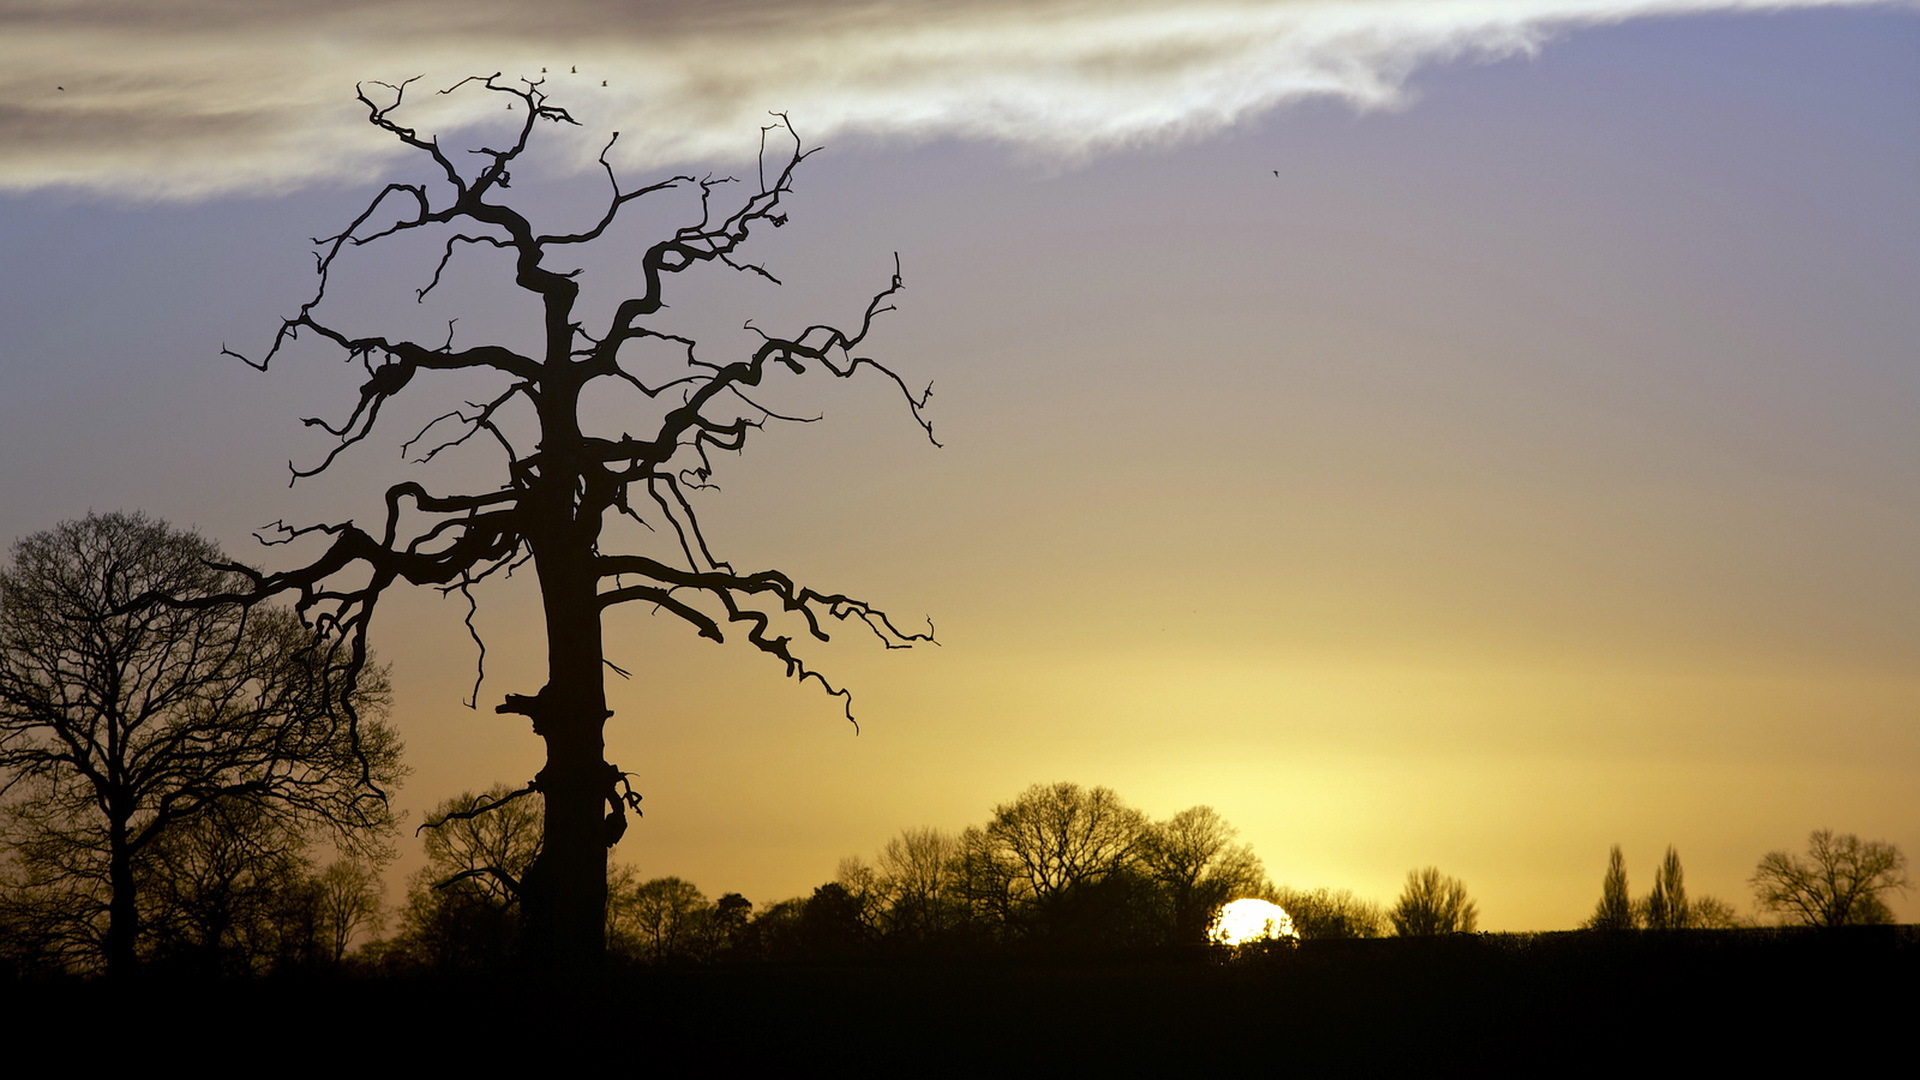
(1243, 922)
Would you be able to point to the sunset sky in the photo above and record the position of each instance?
(1466, 433)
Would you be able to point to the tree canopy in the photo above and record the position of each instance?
(1838, 882)
(1433, 903)
(126, 723)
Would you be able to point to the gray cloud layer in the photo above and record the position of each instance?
(190, 98)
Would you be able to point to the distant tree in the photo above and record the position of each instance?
(1323, 913)
(1432, 903)
(490, 840)
(1195, 866)
(1666, 907)
(1615, 910)
(668, 911)
(123, 723)
(349, 898)
(774, 933)
(833, 924)
(732, 914)
(1713, 913)
(463, 907)
(1060, 836)
(227, 893)
(1839, 882)
(919, 874)
(625, 939)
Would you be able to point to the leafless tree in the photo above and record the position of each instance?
(1713, 913)
(1433, 903)
(563, 483)
(348, 900)
(1838, 883)
(1331, 913)
(463, 908)
(490, 840)
(919, 874)
(1040, 849)
(122, 724)
(666, 912)
(1193, 860)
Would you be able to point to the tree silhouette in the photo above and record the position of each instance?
(1667, 907)
(1838, 883)
(1331, 913)
(1195, 866)
(1615, 910)
(564, 482)
(464, 906)
(921, 882)
(666, 911)
(1050, 861)
(1433, 903)
(124, 726)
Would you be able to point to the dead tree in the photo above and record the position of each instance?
(561, 484)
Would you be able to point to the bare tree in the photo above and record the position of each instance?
(1059, 836)
(233, 892)
(1054, 861)
(1196, 866)
(464, 907)
(1323, 913)
(490, 840)
(564, 484)
(122, 724)
(348, 899)
(1433, 903)
(1713, 913)
(919, 874)
(1838, 883)
(667, 911)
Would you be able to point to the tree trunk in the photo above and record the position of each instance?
(123, 915)
(564, 896)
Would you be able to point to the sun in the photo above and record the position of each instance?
(1244, 921)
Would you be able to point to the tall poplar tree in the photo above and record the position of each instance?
(1615, 910)
(1667, 907)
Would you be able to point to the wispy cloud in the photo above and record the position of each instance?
(190, 98)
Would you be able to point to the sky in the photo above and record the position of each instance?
(1459, 433)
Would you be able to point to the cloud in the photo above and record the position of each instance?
(167, 99)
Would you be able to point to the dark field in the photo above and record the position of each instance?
(1547, 1004)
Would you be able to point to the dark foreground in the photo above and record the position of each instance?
(1548, 1003)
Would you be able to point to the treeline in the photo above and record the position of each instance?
(1841, 881)
(1060, 867)
(231, 892)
